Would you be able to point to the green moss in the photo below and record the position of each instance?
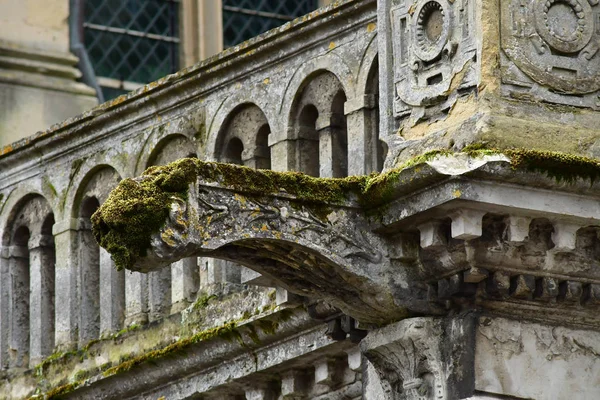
(203, 301)
(225, 331)
(138, 208)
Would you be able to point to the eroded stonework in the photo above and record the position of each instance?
(435, 54)
(551, 51)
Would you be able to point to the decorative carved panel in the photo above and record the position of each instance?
(435, 53)
(423, 358)
(551, 50)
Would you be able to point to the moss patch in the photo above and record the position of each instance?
(138, 208)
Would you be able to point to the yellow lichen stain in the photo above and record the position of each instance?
(371, 27)
(240, 199)
(277, 235)
(264, 228)
(208, 219)
(267, 81)
(331, 45)
(457, 193)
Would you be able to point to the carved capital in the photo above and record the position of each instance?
(424, 358)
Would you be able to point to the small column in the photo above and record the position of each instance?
(185, 282)
(112, 295)
(283, 153)
(4, 305)
(19, 310)
(333, 148)
(136, 298)
(159, 294)
(89, 284)
(66, 272)
(362, 119)
(257, 157)
(41, 307)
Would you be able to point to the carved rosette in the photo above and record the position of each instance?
(433, 45)
(551, 50)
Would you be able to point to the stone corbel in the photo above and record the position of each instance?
(422, 358)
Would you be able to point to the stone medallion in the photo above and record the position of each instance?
(552, 48)
(433, 41)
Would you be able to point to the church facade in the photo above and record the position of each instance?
(441, 241)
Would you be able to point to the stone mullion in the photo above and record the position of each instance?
(4, 306)
(184, 282)
(159, 293)
(66, 273)
(332, 155)
(89, 284)
(112, 295)
(362, 135)
(19, 308)
(41, 306)
(136, 298)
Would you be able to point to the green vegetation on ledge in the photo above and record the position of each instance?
(138, 208)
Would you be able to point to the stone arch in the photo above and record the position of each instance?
(318, 126)
(31, 258)
(244, 138)
(171, 148)
(171, 288)
(101, 295)
(163, 146)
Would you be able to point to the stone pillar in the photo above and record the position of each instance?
(4, 305)
(41, 307)
(185, 282)
(257, 157)
(421, 358)
(283, 153)
(333, 148)
(19, 306)
(159, 293)
(363, 144)
(89, 283)
(136, 298)
(112, 295)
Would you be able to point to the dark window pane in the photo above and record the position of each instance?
(245, 19)
(132, 40)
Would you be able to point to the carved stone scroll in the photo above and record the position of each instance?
(551, 50)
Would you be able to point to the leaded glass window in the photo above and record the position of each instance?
(131, 42)
(244, 19)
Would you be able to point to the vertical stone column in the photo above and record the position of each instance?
(41, 306)
(136, 298)
(333, 151)
(66, 272)
(421, 358)
(18, 257)
(4, 305)
(112, 295)
(185, 281)
(363, 147)
(159, 293)
(256, 157)
(282, 152)
(89, 283)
